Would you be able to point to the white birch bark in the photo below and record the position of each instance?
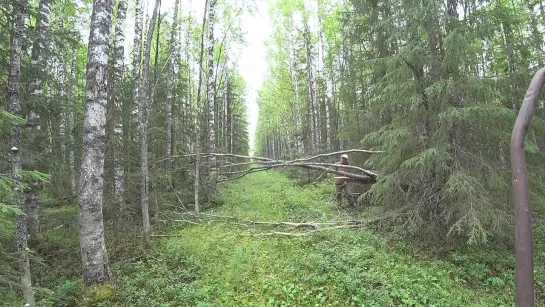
(35, 92)
(228, 118)
(327, 89)
(94, 256)
(38, 63)
(14, 107)
(137, 51)
(117, 86)
(143, 128)
(314, 114)
(211, 99)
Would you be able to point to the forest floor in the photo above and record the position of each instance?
(223, 261)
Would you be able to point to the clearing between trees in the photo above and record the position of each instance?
(224, 258)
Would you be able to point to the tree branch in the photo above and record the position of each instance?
(300, 234)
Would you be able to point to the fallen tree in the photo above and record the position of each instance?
(364, 176)
(306, 233)
(224, 171)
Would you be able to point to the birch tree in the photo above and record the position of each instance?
(14, 107)
(117, 86)
(94, 256)
(143, 127)
(35, 93)
(314, 114)
(136, 56)
(211, 99)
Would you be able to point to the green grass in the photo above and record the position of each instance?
(218, 263)
(221, 261)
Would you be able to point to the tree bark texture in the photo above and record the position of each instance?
(94, 256)
(137, 53)
(143, 128)
(314, 113)
(171, 77)
(211, 99)
(197, 116)
(117, 86)
(38, 63)
(14, 107)
(35, 92)
(71, 122)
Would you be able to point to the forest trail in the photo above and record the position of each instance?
(222, 263)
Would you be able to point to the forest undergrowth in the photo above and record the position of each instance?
(223, 259)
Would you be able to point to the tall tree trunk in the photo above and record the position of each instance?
(314, 113)
(188, 97)
(228, 118)
(188, 106)
(14, 107)
(117, 95)
(71, 122)
(61, 78)
(171, 77)
(327, 89)
(211, 99)
(197, 116)
(94, 256)
(128, 107)
(143, 127)
(38, 64)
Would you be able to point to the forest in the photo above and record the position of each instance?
(141, 166)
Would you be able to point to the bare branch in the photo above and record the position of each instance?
(338, 152)
(253, 159)
(300, 234)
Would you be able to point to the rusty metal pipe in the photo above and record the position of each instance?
(524, 267)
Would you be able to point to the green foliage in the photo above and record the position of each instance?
(436, 89)
(220, 263)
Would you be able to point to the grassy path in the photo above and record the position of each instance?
(217, 263)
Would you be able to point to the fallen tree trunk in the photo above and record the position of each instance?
(366, 176)
(300, 164)
(248, 222)
(306, 233)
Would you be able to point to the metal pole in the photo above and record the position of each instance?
(524, 271)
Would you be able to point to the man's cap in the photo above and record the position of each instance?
(345, 156)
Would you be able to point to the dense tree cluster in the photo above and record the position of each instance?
(100, 125)
(436, 85)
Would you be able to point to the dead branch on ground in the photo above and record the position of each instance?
(247, 222)
(306, 233)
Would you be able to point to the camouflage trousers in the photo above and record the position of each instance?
(340, 189)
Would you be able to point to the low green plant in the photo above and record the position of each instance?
(220, 263)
